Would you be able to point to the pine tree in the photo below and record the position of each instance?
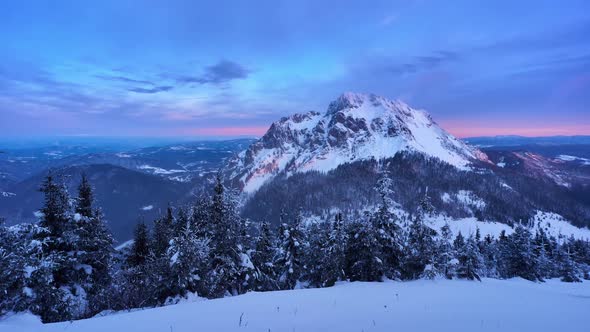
(459, 241)
(263, 259)
(290, 254)
(540, 248)
(567, 267)
(445, 257)
(503, 255)
(388, 231)
(85, 198)
(334, 253)
(13, 257)
(470, 260)
(185, 258)
(522, 261)
(162, 234)
(227, 252)
(160, 245)
(315, 257)
(140, 250)
(489, 253)
(53, 281)
(419, 260)
(362, 255)
(138, 287)
(93, 247)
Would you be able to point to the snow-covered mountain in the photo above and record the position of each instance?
(354, 127)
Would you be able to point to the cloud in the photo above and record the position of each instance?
(155, 89)
(390, 65)
(123, 79)
(219, 73)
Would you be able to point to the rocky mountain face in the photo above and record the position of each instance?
(355, 127)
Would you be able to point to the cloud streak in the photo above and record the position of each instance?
(223, 71)
(123, 79)
(155, 89)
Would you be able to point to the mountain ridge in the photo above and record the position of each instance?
(354, 127)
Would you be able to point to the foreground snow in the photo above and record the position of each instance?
(442, 305)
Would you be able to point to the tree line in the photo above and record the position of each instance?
(65, 267)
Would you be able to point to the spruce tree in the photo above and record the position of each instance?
(227, 252)
(85, 198)
(334, 253)
(362, 256)
(13, 259)
(388, 231)
(93, 246)
(290, 254)
(52, 282)
(470, 260)
(445, 256)
(162, 234)
(419, 260)
(263, 259)
(489, 252)
(185, 259)
(138, 286)
(522, 261)
(140, 250)
(567, 267)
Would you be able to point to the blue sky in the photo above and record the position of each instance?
(229, 68)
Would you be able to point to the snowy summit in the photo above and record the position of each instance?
(354, 127)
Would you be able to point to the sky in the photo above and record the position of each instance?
(230, 68)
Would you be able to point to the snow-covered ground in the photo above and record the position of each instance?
(423, 305)
(552, 223)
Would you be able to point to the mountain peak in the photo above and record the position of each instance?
(354, 127)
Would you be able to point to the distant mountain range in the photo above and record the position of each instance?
(129, 185)
(515, 140)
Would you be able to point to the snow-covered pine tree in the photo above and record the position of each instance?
(419, 260)
(446, 262)
(459, 241)
(334, 254)
(541, 245)
(140, 253)
(503, 252)
(289, 261)
(162, 233)
(566, 265)
(470, 260)
(388, 230)
(522, 260)
(489, 252)
(12, 270)
(263, 259)
(315, 260)
(227, 253)
(93, 247)
(362, 252)
(138, 287)
(186, 258)
(51, 282)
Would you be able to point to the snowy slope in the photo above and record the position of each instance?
(441, 305)
(553, 224)
(355, 127)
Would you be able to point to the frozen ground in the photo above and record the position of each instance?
(441, 305)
